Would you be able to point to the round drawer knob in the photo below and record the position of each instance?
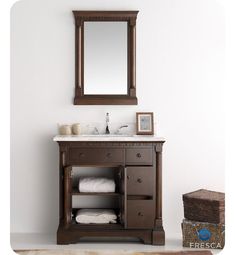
(138, 155)
(108, 155)
(81, 154)
(139, 180)
(140, 214)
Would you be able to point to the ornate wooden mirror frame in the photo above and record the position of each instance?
(80, 17)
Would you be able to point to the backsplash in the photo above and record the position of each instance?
(89, 128)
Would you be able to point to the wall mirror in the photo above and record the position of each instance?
(105, 57)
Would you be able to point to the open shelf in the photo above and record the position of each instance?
(77, 193)
(93, 226)
(96, 226)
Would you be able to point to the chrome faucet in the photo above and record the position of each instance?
(107, 124)
(118, 130)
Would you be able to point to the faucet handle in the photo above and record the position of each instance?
(118, 130)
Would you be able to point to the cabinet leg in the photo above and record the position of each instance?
(158, 236)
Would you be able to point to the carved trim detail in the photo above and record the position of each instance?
(105, 15)
(108, 144)
(65, 144)
(158, 223)
(102, 18)
(63, 152)
(67, 195)
(78, 22)
(132, 22)
(158, 147)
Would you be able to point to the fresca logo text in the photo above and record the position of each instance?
(204, 235)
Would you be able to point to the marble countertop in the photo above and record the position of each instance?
(84, 138)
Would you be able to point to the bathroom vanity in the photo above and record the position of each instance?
(136, 162)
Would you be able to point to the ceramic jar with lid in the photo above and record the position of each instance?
(65, 130)
(76, 129)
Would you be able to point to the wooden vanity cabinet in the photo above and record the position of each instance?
(138, 167)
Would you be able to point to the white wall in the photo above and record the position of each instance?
(180, 68)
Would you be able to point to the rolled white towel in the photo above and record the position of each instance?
(96, 216)
(96, 184)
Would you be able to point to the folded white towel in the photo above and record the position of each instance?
(96, 184)
(97, 216)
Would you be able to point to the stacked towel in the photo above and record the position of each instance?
(96, 184)
(97, 216)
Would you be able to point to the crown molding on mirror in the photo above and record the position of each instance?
(105, 99)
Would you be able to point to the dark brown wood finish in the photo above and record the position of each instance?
(85, 156)
(139, 156)
(67, 195)
(158, 232)
(139, 190)
(140, 181)
(140, 214)
(117, 16)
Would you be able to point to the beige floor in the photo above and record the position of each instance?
(48, 241)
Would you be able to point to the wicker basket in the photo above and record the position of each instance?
(204, 206)
(203, 235)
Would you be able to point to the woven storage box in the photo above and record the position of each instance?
(203, 235)
(205, 206)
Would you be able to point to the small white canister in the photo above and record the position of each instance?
(65, 130)
(76, 129)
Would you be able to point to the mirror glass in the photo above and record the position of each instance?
(105, 58)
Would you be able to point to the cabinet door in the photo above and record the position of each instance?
(122, 191)
(140, 214)
(140, 181)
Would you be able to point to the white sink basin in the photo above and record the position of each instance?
(106, 135)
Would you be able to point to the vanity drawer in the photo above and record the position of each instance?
(95, 156)
(140, 180)
(139, 156)
(140, 214)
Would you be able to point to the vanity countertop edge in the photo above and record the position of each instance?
(135, 138)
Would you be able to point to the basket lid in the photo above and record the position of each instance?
(203, 194)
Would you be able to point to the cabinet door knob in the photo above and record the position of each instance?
(81, 154)
(138, 155)
(108, 155)
(140, 214)
(139, 180)
(128, 177)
